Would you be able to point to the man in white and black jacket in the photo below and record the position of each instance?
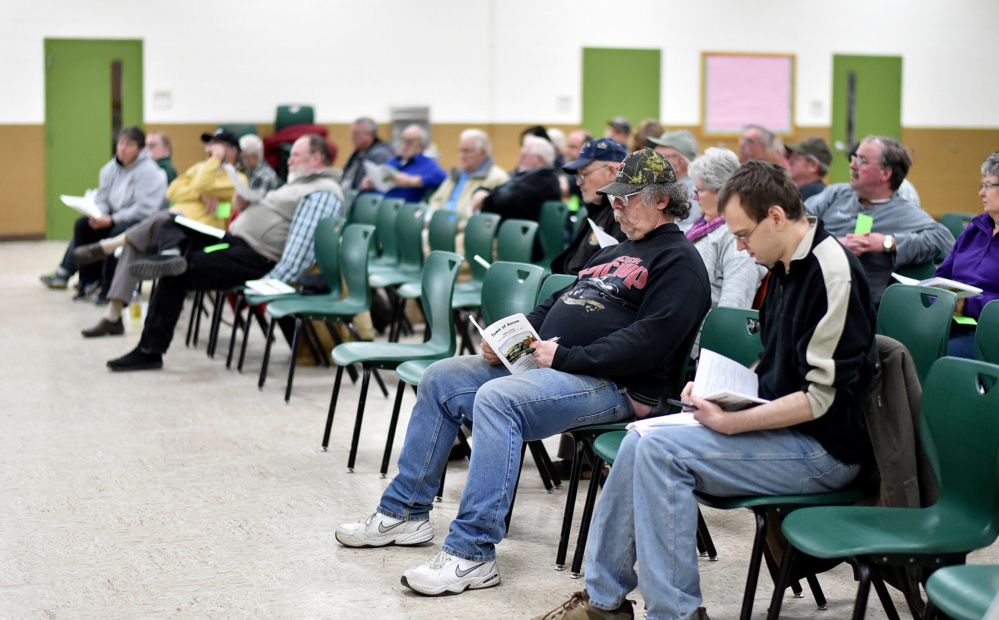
(623, 329)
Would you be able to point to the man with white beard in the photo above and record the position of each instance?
(272, 238)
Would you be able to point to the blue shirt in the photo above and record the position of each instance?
(422, 166)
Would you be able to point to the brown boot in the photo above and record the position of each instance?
(578, 608)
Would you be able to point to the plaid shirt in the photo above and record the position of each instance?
(299, 250)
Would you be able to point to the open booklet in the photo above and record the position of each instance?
(962, 289)
(603, 238)
(85, 204)
(381, 175)
(204, 229)
(269, 286)
(722, 380)
(250, 195)
(511, 339)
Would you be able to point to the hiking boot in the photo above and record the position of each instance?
(380, 530)
(159, 266)
(448, 574)
(578, 608)
(54, 280)
(137, 360)
(89, 253)
(105, 328)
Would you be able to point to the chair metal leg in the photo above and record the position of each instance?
(930, 611)
(882, 591)
(705, 536)
(817, 594)
(570, 505)
(333, 398)
(236, 322)
(195, 315)
(863, 590)
(381, 384)
(537, 448)
(780, 584)
(391, 430)
(213, 333)
(312, 341)
(584, 521)
(251, 313)
(337, 340)
(755, 558)
(295, 340)
(197, 321)
(365, 380)
(440, 487)
(267, 354)
(516, 485)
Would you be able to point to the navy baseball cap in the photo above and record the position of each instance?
(603, 149)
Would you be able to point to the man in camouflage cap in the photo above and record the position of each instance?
(623, 329)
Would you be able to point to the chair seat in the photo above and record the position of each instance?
(411, 372)
(381, 279)
(846, 496)
(316, 306)
(607, 445)
(964, 592)
(468, 287)
(384, 354)
(886, 532)
(467, 299)
(410, 290)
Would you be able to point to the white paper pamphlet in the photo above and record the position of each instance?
(205, 229)
(962, 289)
(269, 286)
(603, 238)
(684, 418)
(511, 339)
(725, 382)
(84, 204)
(381, 175)
(250, 195)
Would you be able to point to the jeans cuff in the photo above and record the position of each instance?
(406, 516)
(478, 557)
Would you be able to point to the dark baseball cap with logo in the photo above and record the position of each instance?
(603, 149)
(221, 135)
(639, 169)
(814, 146)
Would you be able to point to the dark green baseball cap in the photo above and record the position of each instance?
(639, 169)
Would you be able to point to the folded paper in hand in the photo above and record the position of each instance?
(511, 339)
(602, 237)
(381, 175)
(85, 204)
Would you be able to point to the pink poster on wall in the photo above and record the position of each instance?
(742, 89)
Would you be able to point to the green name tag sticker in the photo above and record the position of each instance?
(864, 224)
(224, 210)
(964, 320)
(216, 247)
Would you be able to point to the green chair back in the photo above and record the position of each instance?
(288, 115)
(578, 220)
(956, 222)
(922, 271)
(439, 276)
(365, 208)
(987, 334)
(919, 317)
(734, 333)
(480, 233)
(551, 229)
(409, 235)
(349, 196)
(240, 130)
(443, 230)
(385, 233)
(509, 288)
(515, 241)
(357, 242)
(327, 242)
(554, 282)
(963, 592)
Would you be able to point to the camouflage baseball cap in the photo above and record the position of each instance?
(639, 169)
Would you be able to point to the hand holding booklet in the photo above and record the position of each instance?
(511, 339)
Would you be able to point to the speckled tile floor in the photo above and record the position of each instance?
(189, 493)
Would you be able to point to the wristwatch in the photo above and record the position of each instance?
(889, 242)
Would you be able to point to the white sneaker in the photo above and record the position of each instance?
(447, 574)
(379, 530)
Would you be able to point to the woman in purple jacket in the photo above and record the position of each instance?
(975, 260)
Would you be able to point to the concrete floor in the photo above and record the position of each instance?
(187, 492)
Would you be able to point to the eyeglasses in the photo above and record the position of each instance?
(745, 238)
(581, 176)
(699, 192)
(861, 160)
(987, 185)
(623, 199)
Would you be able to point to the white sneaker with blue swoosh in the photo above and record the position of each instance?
(448, 574)
(379, 530)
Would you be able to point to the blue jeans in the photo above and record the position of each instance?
(505, 410)
(647, 512)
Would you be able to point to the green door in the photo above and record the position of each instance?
(867, 99)
(92, 89)
(619, 82)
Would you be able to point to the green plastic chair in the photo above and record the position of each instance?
(480, 236)
(327, 250)
(357, 239)
(919, 317)
(442, 230)
(288, 115)
(962, 592)
(409, 237)
(987, 334)
(240, 129)
(552, 223)
(554, 282)
(386, 238)
(960, 432)
(956, 222)
(438, 280)
(922, 271)
(515, 240)
(365, 209)
(578, 219)
(349, 196)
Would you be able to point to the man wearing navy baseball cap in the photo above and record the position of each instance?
(596, 166)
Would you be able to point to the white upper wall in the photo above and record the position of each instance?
(515, 61)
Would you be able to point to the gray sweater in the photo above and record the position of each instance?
(264, 225)
(131, 193)
(734, 274)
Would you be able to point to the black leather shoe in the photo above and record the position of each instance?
(159, 266)
(87, 254)
(105, 328)
(137, 360)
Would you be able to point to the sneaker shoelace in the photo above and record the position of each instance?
(574, 601)
(439, 560)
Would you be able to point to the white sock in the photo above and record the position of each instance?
(113, 314)
(111, 244)
(171, 252)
